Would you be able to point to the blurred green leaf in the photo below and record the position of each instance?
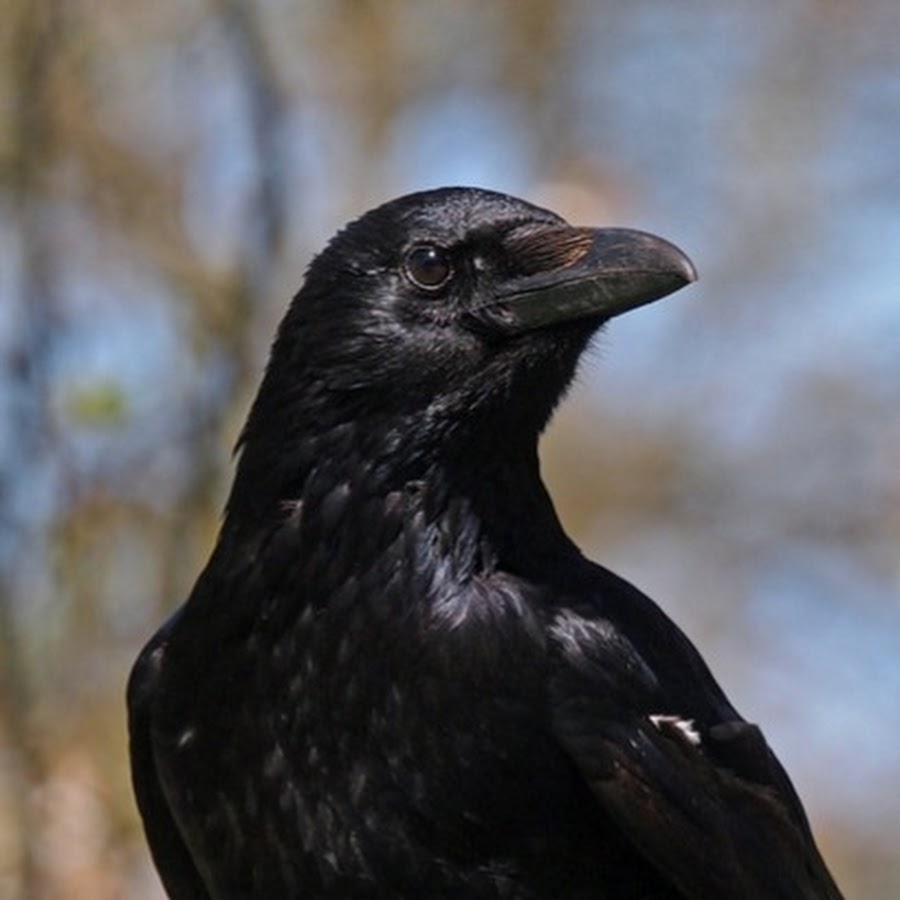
(99, 405)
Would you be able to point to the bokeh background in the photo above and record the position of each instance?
(167, 169)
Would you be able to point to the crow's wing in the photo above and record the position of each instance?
(695, 788)
(170, 853)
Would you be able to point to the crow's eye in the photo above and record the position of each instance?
(428, 266)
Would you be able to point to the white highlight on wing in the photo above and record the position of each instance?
(685, 727)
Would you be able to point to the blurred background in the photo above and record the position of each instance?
(166, 171)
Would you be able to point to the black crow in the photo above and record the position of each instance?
(397, 677)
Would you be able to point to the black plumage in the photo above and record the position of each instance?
(397, 677)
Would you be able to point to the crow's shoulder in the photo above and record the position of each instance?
(695, 787)
(169, 850)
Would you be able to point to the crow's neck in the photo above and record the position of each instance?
(472, 502)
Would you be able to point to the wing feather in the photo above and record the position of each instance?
(171, 855)
(694, 787)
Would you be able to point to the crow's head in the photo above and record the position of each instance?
(451, 313)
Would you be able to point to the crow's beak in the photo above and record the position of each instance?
(567, 273)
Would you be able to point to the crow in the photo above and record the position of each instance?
(397, 677)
